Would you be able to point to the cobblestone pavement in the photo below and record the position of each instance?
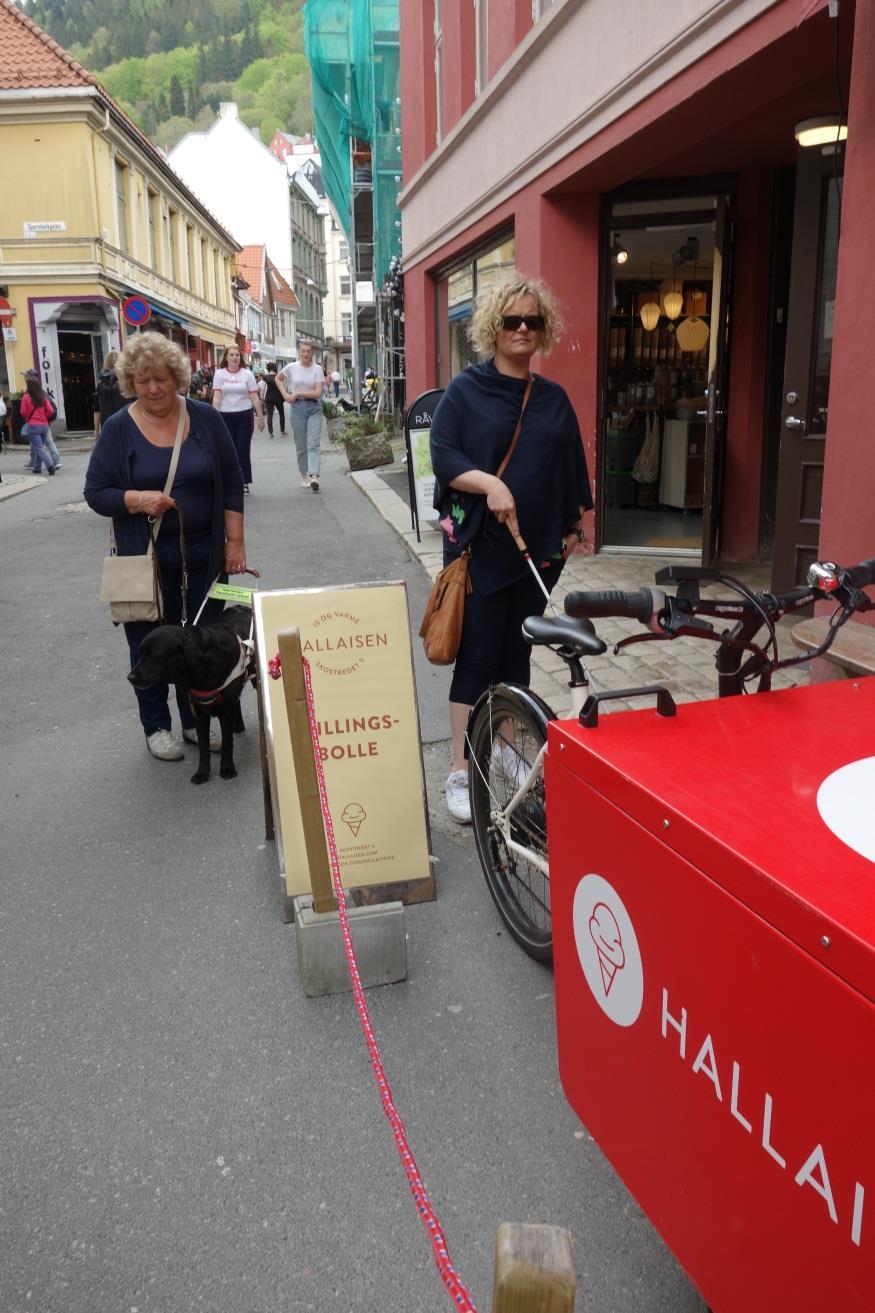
(685, 666)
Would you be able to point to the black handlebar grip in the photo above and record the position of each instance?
(611, 602)
(862, 575)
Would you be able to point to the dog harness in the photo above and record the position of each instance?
(244, 669)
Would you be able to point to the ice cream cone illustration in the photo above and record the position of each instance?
(352, 815)
(608, 943)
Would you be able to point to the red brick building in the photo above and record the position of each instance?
(556, 137)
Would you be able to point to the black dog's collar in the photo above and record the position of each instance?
(243, 669)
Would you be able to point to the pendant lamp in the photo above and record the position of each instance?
(692, 334)
(672, 298)
(650, 315)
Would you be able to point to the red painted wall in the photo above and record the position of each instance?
(416, 37)
(458, 61)
(847, 528)
(509, 21)
(747, 367)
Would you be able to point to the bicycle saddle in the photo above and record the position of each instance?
(577, 636)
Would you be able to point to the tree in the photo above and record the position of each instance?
(177, 99)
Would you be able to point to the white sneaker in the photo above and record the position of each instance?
(190, 736)
(164, 746)
(510, 763)
(458, 797)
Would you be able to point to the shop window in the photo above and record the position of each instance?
(456, 292)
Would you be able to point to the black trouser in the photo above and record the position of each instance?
(270, 407)
(152, 702)
(493, 648)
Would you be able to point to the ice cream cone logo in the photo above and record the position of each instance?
(352, 815)
(608, 943)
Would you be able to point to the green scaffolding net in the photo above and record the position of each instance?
(352, 48)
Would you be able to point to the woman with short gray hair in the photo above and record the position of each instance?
(126, 477)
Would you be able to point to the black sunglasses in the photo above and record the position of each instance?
(535, 323)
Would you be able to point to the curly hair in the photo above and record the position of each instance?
(151, 351)
(492, 302)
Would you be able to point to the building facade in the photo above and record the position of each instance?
(92, 215)
(712, 268)
(308, 257)
(242, 182)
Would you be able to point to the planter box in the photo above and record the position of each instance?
(368, 452)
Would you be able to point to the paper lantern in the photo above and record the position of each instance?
(692, 334)
(650, 315)
(671, 297)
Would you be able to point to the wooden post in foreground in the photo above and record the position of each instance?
(533, 1270)
(295, 691)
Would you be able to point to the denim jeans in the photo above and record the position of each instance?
(38, 448)
(307, 425)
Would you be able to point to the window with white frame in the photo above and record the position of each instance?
(481, 45)
(346, 325)
(121, 200)
(438, 56)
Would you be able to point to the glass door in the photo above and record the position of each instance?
(807, 366)
(664, 354)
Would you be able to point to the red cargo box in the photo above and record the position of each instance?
(713, 890)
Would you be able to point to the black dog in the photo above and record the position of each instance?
(200, 659)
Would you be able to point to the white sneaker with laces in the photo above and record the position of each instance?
(190, 736)
(458, 797)
(510, 763)
(164, 746)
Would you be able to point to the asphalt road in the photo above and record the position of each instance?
(182, 1130)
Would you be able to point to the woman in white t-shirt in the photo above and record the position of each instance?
(301, 384)
(235, 396)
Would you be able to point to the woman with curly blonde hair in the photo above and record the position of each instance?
(542, 494)
(126, 476)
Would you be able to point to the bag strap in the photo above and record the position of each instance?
(516, 433)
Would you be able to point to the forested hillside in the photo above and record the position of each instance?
(170, 62)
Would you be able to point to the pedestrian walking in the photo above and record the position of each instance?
(235, 396)
(106, 398)
(335, 381)
(126, 476)
(542, 494)
(37, 412)
(301, 384)
(273, 400)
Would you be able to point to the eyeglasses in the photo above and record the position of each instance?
(535, 323)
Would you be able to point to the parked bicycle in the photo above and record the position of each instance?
(507, 730)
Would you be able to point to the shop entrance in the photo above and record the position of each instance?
(665, 356)
(79, 370)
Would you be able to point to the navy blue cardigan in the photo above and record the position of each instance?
(472, 429)
(109, 476)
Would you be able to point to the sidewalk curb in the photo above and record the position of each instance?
(395, 511)
(13, 484)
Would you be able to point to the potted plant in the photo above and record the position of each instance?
(366, 441)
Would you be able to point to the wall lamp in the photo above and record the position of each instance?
(619, 254)
(825, 130)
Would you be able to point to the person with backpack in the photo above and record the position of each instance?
(37, 412)
(107, 397)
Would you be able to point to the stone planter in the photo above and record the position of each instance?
(368, 452)
(336, 427)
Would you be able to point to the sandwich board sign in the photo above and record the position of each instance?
(417, 424)
(357, 642)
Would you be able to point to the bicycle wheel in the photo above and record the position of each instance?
(507, 731)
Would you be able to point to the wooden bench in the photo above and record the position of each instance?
(853, 648)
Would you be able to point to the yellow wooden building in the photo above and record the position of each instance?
(91, 214)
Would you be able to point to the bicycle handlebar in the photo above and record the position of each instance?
(862, 575)
(641, 605)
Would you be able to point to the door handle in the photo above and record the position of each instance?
(794, 422)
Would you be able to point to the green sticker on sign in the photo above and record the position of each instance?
(231, 593)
